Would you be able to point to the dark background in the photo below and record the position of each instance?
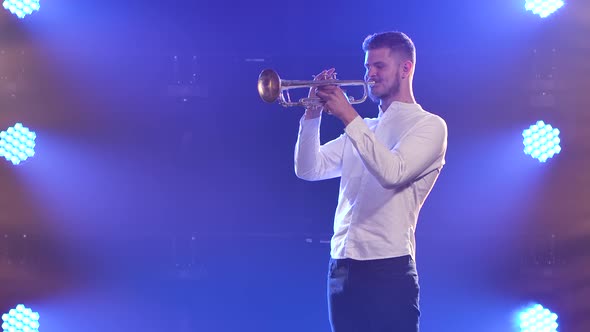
(162, 195)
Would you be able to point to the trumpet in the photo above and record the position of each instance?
(272, 88)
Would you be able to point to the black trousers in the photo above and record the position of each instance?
(374, 296)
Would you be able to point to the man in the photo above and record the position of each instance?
(388, 166)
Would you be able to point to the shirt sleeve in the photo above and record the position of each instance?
(418, 153)
(312, 161)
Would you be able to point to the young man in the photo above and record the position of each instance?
(388, 166)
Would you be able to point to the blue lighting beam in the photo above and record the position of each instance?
(541, 141)
(21, 8)
(17, 144)
(20, 319)
(537, 318)
(543, 8)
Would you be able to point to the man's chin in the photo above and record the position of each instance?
(374, 97)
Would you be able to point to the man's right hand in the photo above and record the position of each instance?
(312, 113)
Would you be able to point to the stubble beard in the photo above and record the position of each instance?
(394, 90)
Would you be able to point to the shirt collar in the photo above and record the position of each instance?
(395, 107)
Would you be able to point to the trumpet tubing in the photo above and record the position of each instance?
(272, 88)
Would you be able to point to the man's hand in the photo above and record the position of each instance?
(314, 112)
(336, 103)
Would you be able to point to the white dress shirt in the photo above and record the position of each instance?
(387, 166)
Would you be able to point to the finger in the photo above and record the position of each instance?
(328, 88)
(321, 94)
(320, 75)
(331, 73)
(328, 74)
(325, 74)
(325, 96)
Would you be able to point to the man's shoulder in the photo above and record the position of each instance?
(425, 116)
(431, 123)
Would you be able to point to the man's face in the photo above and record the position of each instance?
(383, 67)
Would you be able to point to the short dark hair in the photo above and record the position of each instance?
(394, 40)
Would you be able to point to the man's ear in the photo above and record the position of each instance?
(406, 68)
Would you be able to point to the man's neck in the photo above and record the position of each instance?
(386, 103)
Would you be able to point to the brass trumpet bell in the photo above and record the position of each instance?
(269, 85)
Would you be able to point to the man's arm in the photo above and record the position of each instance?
(312, 161)
(416, 154)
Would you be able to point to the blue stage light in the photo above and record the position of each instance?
(17, 144)
(537, 318)
(20, 319)
(543, 8)
(21, 8)
(541, 141)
